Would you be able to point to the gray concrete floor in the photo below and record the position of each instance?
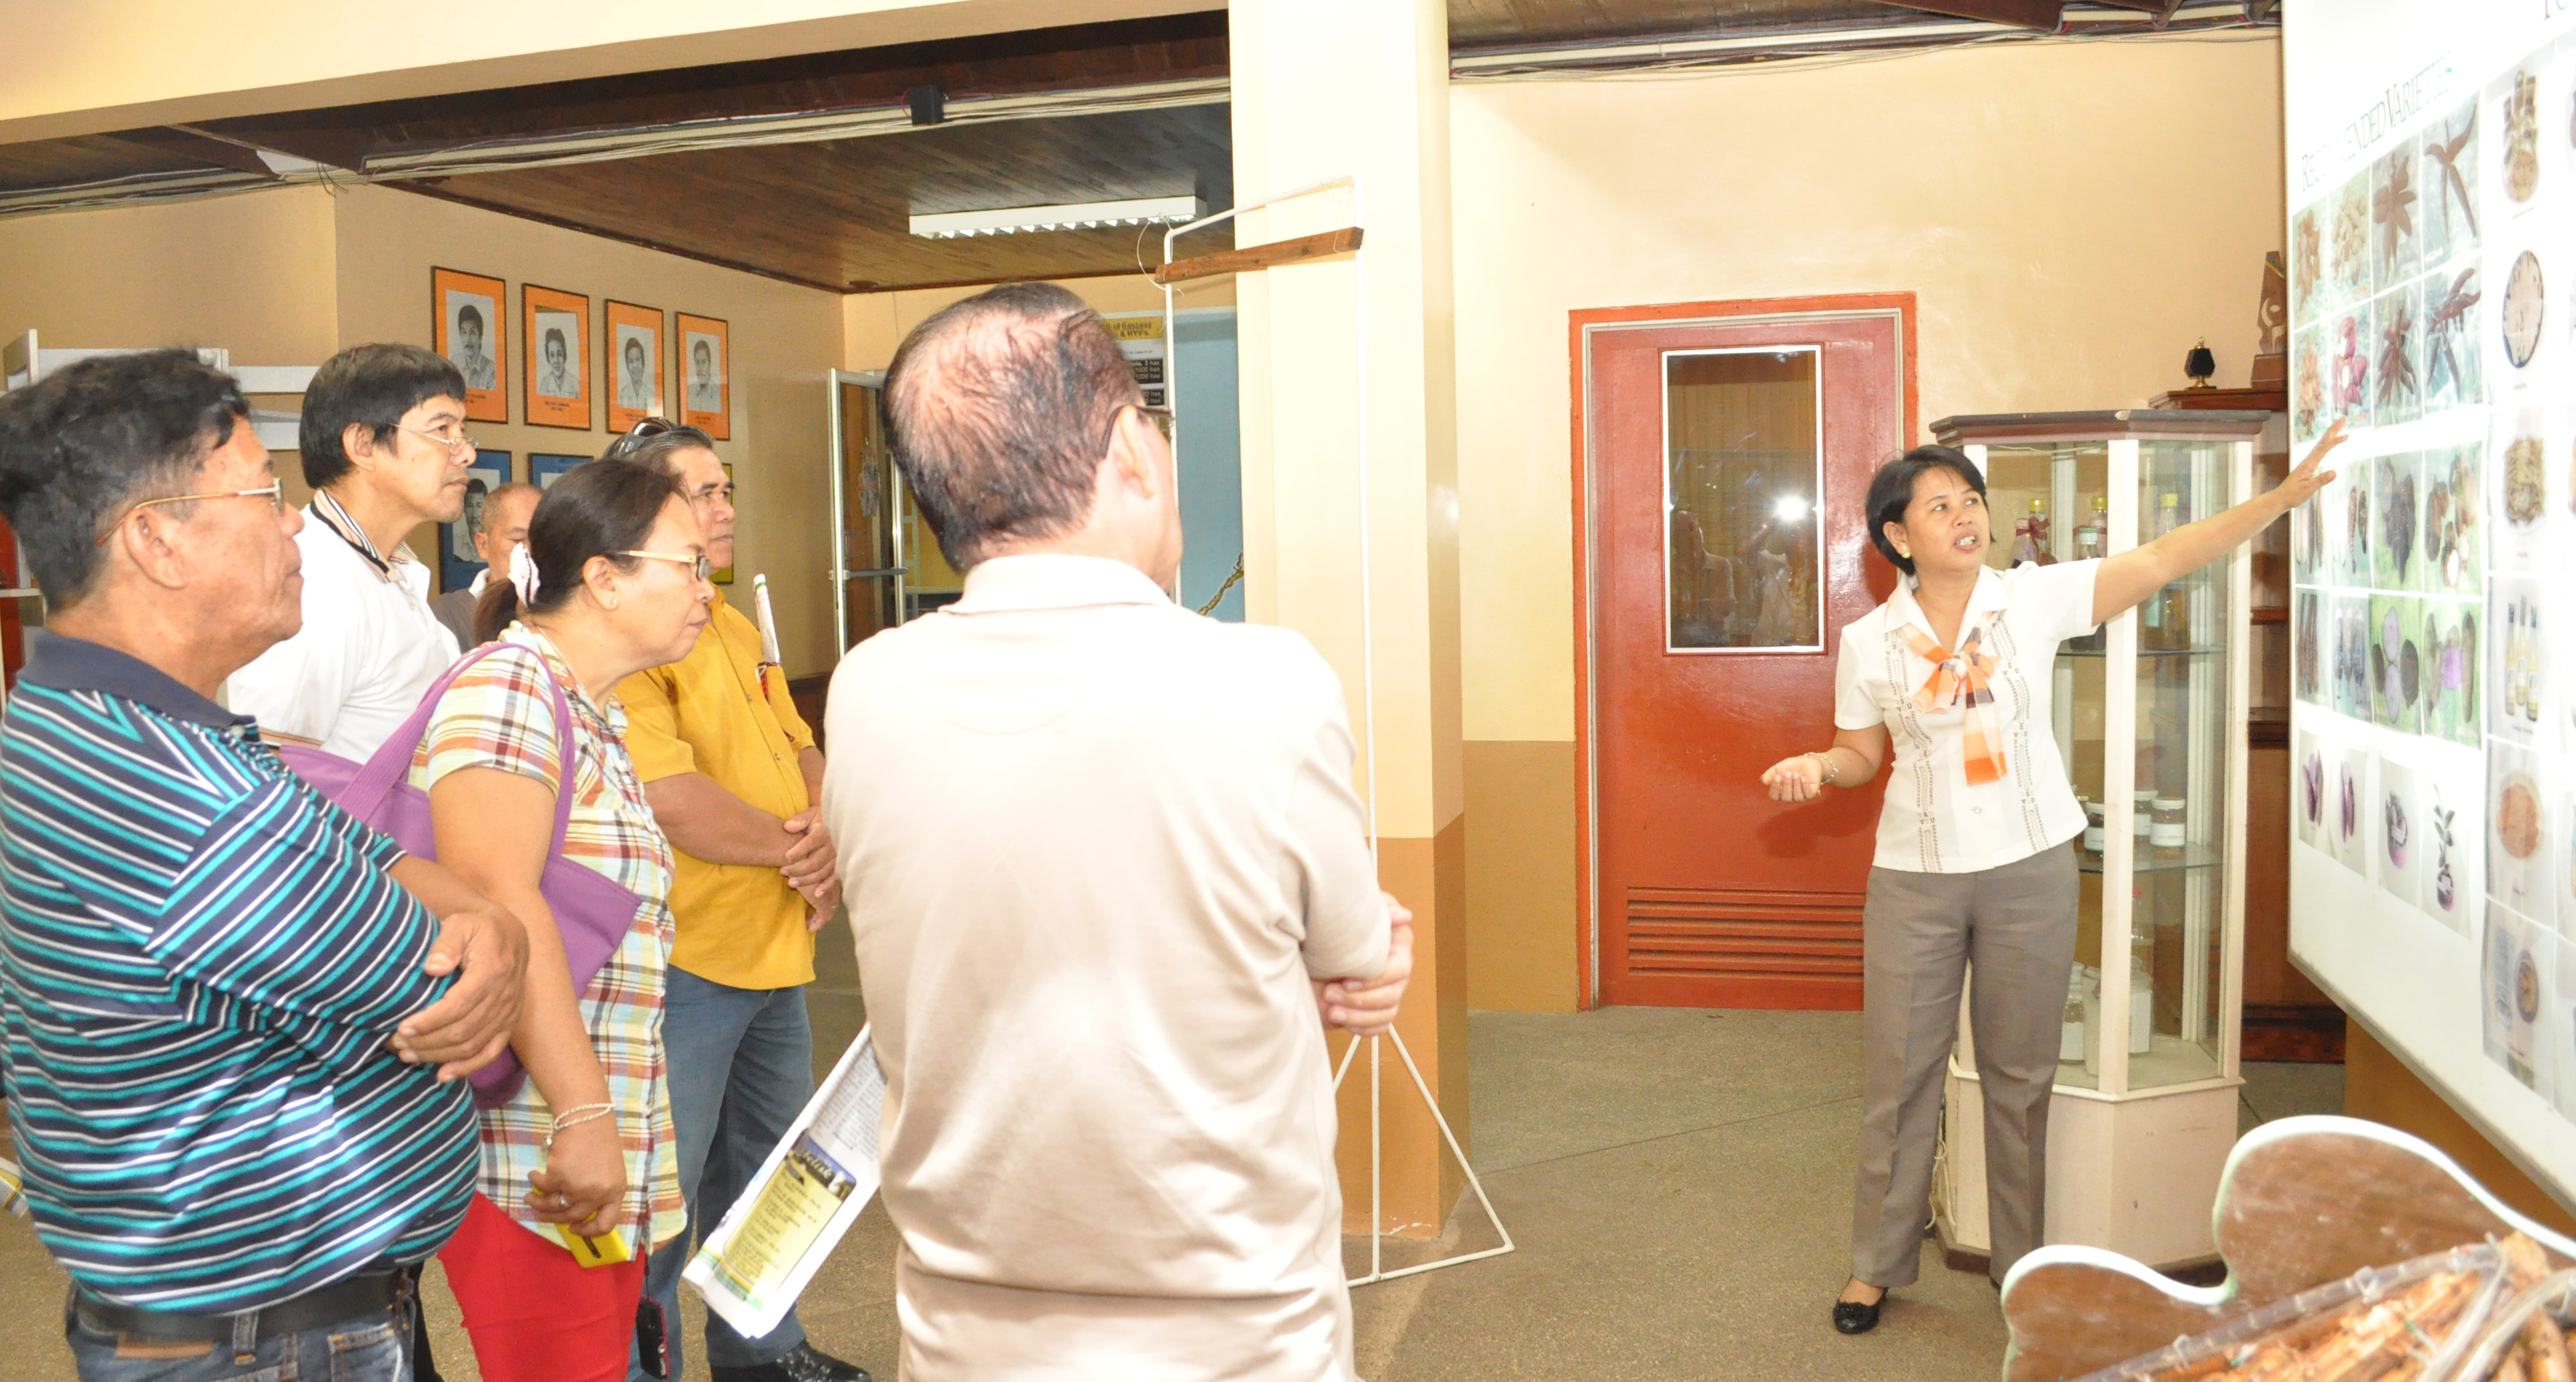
(1678, 1183)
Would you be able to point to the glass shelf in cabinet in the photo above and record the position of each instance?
(2145, 652)
(2192, 859)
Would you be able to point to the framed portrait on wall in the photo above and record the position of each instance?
(724, 574)
(466, 325)
(555, 332)
(705, 374)
(631, 363)
(544, 470)
(457, 560)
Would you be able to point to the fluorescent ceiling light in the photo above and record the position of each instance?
(949, 225)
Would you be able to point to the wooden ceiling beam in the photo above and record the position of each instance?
(189, 144)
(2043, 15)
(1069, 58)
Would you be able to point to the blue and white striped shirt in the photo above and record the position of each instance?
(201, 960)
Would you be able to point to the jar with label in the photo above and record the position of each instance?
(2169, 828)
(2142, 814)
(2094, 835)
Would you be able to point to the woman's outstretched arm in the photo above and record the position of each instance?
(2132, 576)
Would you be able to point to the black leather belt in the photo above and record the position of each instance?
(345, 1299)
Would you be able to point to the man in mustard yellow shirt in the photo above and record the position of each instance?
(733, 777)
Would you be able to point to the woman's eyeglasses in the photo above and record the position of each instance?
(274, 492)
(697, 563)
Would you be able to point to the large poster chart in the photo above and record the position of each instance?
(2432, 235)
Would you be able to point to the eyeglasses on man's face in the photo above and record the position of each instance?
(1158, 414)
(274, 492)
(697, 562)
(450, 435)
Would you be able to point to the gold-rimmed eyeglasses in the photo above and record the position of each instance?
(274, 492)
(697, 562)
(1156, 413)
(460, 442)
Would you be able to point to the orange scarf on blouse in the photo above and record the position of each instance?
(1959, 679)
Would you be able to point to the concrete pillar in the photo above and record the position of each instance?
(1324, 88)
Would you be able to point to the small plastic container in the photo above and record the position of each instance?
(2169, 826)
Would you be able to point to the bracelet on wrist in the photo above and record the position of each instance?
(1832, 769)
(576, 1116)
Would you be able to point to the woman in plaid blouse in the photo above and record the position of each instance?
(612, 580)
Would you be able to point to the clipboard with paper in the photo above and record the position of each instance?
(808, 1191)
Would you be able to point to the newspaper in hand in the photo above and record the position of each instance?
(806, 1195)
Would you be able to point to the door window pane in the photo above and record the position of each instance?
(1742, 456)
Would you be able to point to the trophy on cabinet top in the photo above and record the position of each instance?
(2272, 327)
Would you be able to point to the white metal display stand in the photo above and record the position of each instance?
(1368, 715)
(24, 360)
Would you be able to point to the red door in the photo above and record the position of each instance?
(1728, 448)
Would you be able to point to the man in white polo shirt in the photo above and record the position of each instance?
(383, 444)
(1104, 868)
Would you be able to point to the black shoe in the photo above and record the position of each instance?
(1852, 1317)
(803, 1365)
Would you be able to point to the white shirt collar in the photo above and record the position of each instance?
(1987, 597)
(326, 510)
(1054, 580)
(480, 578)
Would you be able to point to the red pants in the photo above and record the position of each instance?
(535, 1313)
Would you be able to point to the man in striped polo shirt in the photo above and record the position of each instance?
(236, 1019)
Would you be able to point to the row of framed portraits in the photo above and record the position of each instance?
(468, 326)
(458, 559)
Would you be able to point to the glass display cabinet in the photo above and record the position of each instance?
(2150, 718)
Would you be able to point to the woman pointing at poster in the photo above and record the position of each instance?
(1972, 862)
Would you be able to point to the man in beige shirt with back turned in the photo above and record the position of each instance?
(1104, 866)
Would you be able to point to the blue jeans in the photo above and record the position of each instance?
(742, 1068)
(367, 1348)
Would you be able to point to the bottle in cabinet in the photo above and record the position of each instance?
(2182, 597)
(2092, 539)
(2164, 622)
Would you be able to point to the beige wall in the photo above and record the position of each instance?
(784, 338)
(2071, 216)
(249, 273)
(873, 324)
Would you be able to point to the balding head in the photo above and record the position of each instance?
(999, 409)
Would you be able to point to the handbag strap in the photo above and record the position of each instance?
(391, 762)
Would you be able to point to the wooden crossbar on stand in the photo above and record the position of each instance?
(1321, 245)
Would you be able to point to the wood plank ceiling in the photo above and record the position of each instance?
(1476, 24)
(833, 214)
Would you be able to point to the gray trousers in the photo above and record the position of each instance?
(1919, 934)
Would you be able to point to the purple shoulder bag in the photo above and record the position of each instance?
(593, 913)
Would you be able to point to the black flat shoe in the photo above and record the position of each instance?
(805, 1364)
(1852, 1317)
